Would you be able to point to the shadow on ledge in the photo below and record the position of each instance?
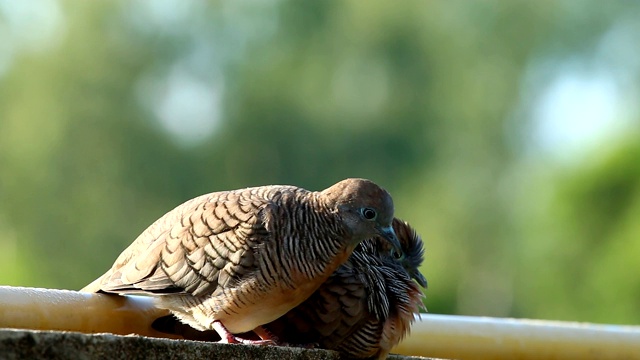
(32, 344)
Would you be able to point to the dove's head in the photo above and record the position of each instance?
(365, 208)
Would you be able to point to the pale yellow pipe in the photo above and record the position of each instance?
(479, 338)
(46, 309)
(443, 336)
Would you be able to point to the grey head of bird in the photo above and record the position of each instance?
(365, 208)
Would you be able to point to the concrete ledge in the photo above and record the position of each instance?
(35, 344)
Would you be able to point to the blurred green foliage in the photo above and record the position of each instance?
(112, 113)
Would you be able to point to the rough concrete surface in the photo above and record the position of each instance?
(32, 344)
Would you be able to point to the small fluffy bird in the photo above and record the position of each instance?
(367, 306)
(232, 261)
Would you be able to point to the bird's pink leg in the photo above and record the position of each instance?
(266, 335)
(228, 338)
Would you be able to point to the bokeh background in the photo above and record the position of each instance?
(507, 131)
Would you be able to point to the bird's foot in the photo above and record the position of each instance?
(232, 339)
(304, 346)
(266, 335)
(228, 338)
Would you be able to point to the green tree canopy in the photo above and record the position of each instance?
(112, 113)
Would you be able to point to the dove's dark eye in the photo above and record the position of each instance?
(368, 213)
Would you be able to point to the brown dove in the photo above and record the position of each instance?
(367, 306)
(232, 261)
(363, 309)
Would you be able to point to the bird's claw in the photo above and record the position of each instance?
(231, 339)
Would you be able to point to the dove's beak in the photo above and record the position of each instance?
(419, 278)
(390, 236)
